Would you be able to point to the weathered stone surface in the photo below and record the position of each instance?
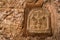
(12, 3)
(12, 20)
(38, 21)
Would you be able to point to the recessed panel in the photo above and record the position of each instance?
(38, 21)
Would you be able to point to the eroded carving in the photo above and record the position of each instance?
(38, 21)
(11, 21)
(11, 3)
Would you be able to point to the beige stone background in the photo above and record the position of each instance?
(12, 20)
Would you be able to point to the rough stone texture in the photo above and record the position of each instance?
(12, 20)
(11, 3)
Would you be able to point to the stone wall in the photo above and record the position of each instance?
(12, 18)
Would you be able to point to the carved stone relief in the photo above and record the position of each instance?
(29, 20)
(37, 21)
